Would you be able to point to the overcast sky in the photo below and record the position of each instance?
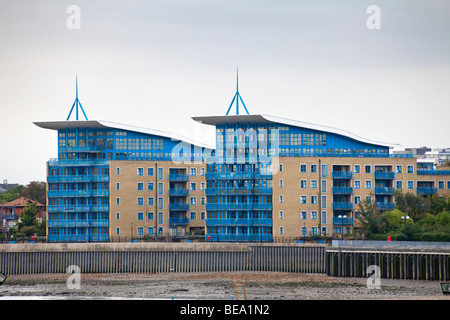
(155, 64)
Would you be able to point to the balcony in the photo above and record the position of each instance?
(78, 238)
(342, 175)
(78, 223)
(238, 222)
(342, 190)
(179, 221)
(385, 205)
(179, 206)
(342, 205)
(384, 190)
(426, 190)
(178, 192)
(181, 177)
(238, 206)
(237, 175)
(239, 237)
(79, 208)
(385, 175)
(78, 178)
(237, 191)
(343, 221)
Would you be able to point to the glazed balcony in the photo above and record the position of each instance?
(342, 175)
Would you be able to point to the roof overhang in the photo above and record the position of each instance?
(100, 124)
(218, 120)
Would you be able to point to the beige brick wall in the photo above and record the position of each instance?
(128, 193)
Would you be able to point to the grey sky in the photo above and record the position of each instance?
(157, 63)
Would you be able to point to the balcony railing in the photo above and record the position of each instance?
(342, 175)
(239, 237)
(179, 206)
(78, 178)
(384, 190)
(178, 221)
(178, 192)
(385, 205)
(78, 223)
(79, 208)
(384, 175)
(342, 205)
(179, 177)
(237, 175)
(433, 172)
(78, 238)
(239, 222)
(342, 190)
(238, 206)
(237, 191)
(78, 193)
(343, 221)
(426, 190)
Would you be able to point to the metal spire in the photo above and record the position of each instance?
(237, 97)
(77, 103)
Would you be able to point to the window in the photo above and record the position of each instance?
(303, 168)
(117, 185)
(202, 171)
(324, 171)
(117, 215)
(281, 215)
(193, 201)
(399, 169)
(193, 186)
(140, 201)
(313, 199)
(117, 171)
(150, 231)
(150, 216)
(281, 183)
(160, 173)
(313, 168)
(368, 184)
(117, 230)
(357, 184)
(140, 186)
(399, 184)
(161, 218)
(150, 201)
(441, 184)
(410, 184)
(281, 167)
(202, 215)
(448, 185)
(303, 231)
(313, 215)
(303, 215)
(313, 184)
(281, 199)
(160, 187)
(193, 171)
(140, 216)
(324, 186)
(324, 217)
(313, 231)
(281, 231)
(357, 168)
(150, 171)
(202, 186)
(117, 201)
(302, 199)
(202, 201)
(140, 171)
(193, 215)
(160, 203)
(324, 202)
(303, 184)
(410, 169)
(368, 169)
(150, 186)
(357, 199)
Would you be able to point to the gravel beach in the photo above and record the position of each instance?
(220, 285)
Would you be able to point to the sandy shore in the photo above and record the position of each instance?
(258, 285)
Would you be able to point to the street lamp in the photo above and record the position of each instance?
(405, 218)
(342, 224)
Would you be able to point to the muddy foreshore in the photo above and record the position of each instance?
(201, 286)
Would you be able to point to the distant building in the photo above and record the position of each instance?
(11, 211)
(5, 186)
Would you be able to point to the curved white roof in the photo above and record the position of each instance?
(57, 125)
(263, 118)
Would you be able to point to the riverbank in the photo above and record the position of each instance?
(219, 285)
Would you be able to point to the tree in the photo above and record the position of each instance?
(36, 191)
(412, 205)
(11, 194)
(28, 224)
